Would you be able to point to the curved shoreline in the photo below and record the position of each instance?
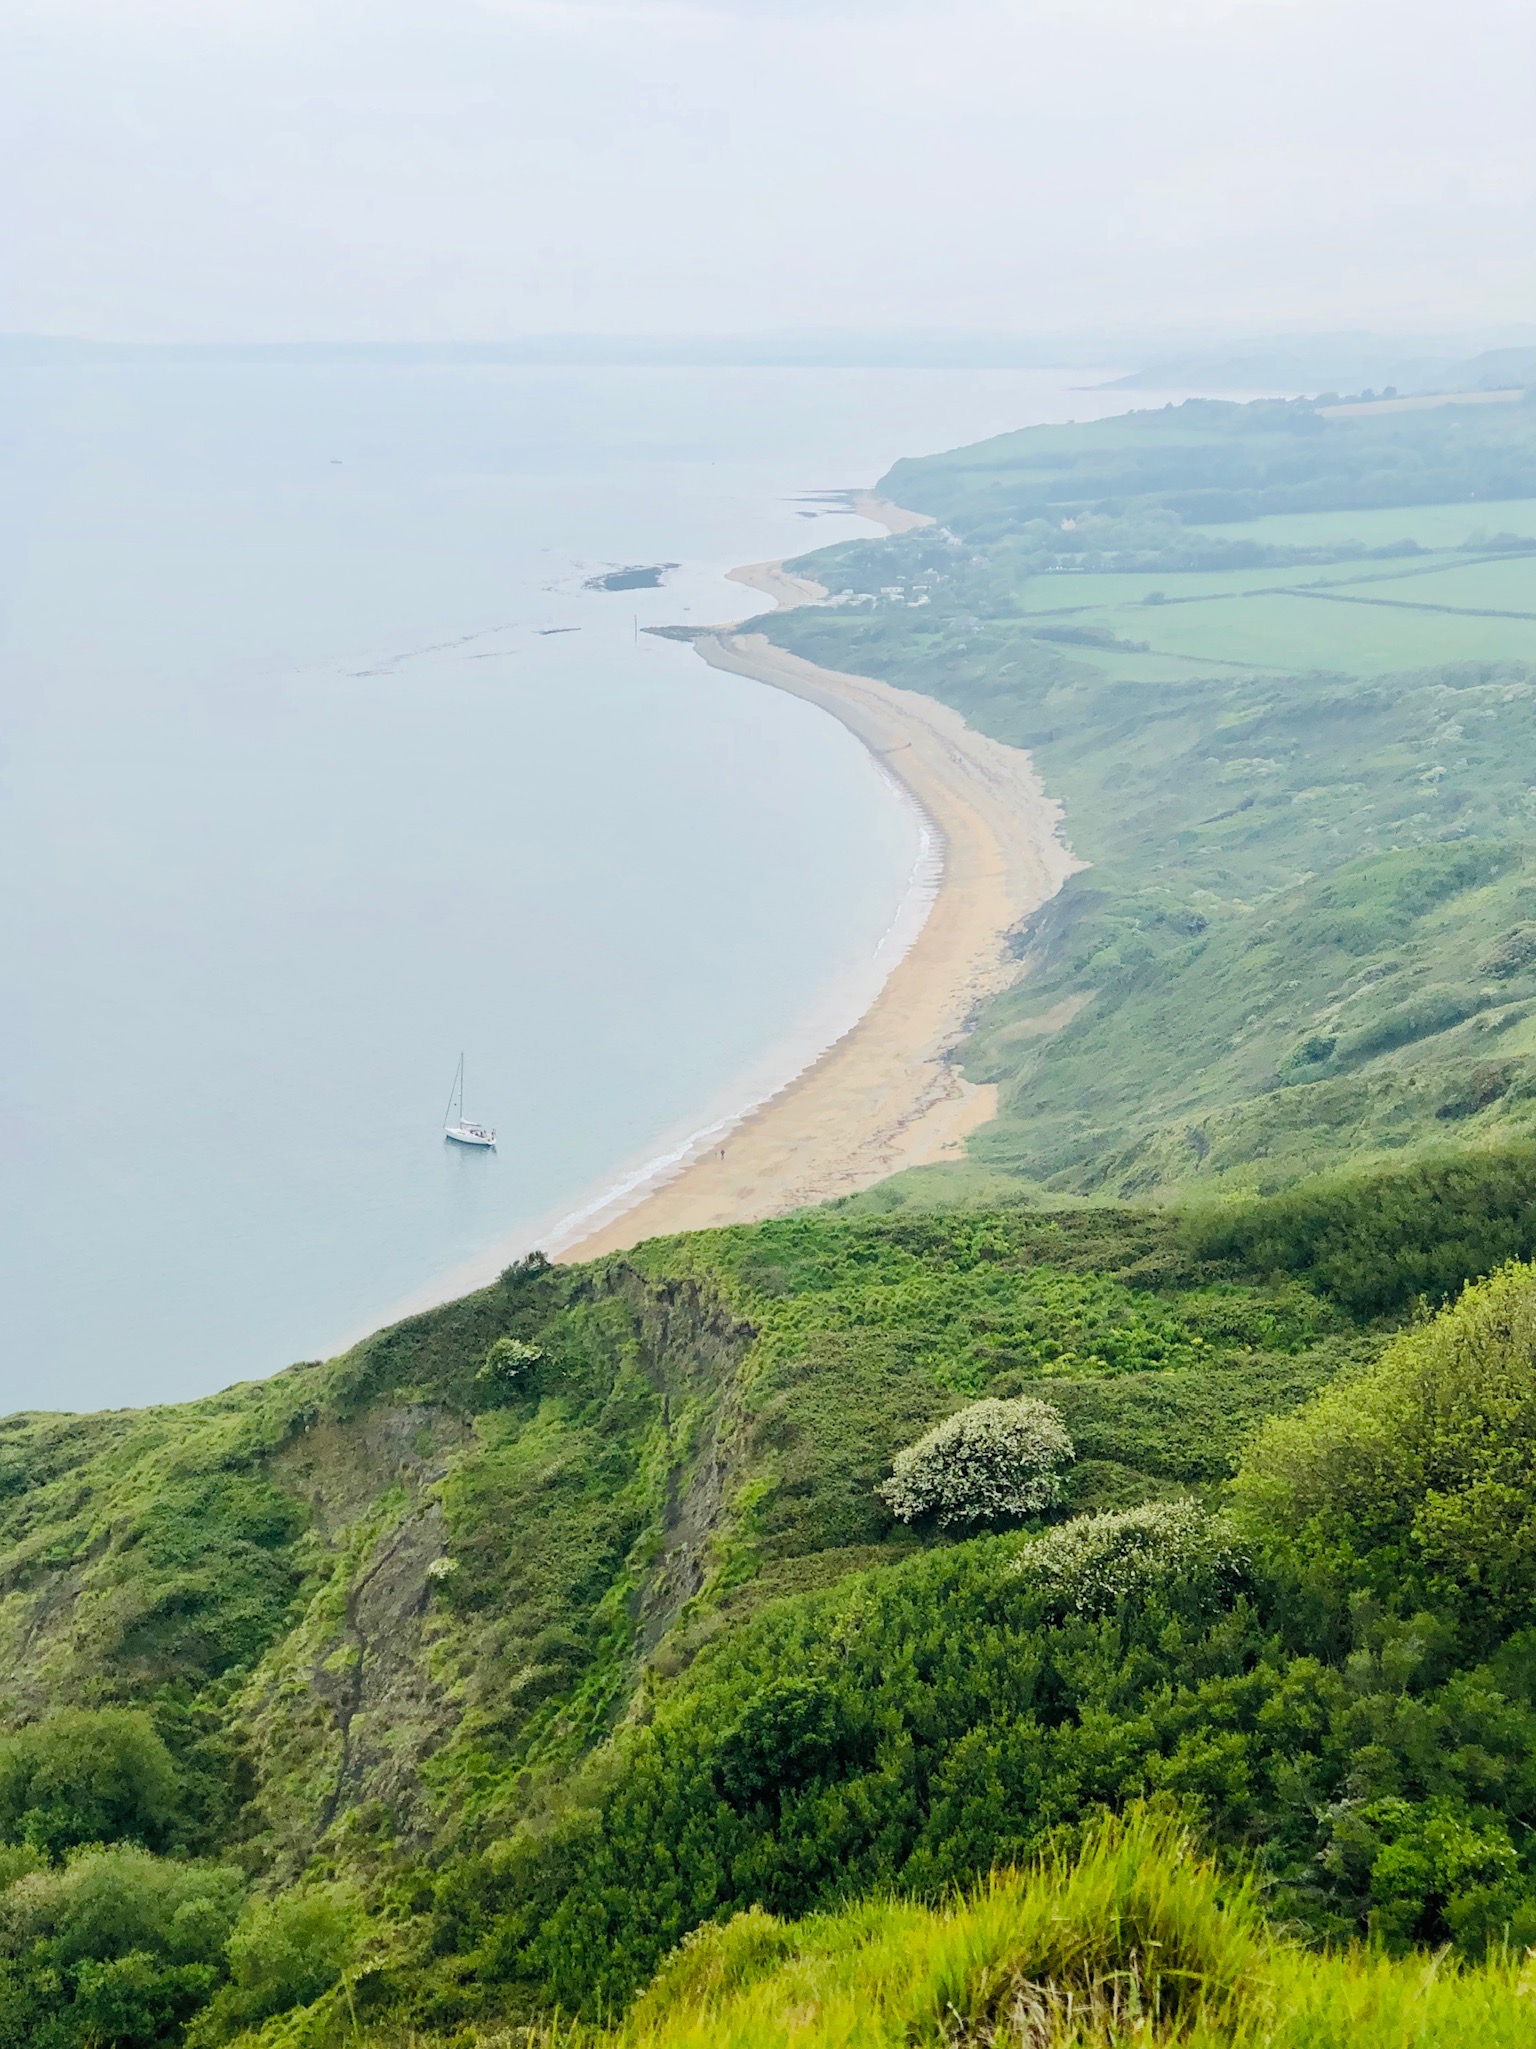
(886, 1095)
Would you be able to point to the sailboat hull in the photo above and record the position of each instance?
(470, 1134)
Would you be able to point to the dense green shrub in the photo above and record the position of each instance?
(970, 1295)
(1377, 1242)
(1419, 1479)
(116, 1946)
(1434, 1867)
(88, 1776)
(786, 1735)
(105, 1903)
(285, 1952)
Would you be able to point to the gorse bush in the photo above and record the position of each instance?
(1377, 1242)
(789, 1735)
(989, 1461)
(970, 1293)
(1095, 1561)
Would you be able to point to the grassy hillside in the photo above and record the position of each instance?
(1294, 745)
(1212, 460)
(457, 1679)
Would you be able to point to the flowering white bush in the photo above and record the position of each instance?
(992, 1459)
(507, 1359)
(1095, 1560)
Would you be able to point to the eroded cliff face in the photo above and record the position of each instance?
(695, 1350)
(343, 1709)
(490, 1585)
(393, 1590)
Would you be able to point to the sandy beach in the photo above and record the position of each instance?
(887, 1095)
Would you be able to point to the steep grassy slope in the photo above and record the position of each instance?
(336, 1563)
(1295, 750)
(499, 1653)
(274, 1557)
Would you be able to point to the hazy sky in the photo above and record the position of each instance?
(438, 169)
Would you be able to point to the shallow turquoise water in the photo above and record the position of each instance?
(302, 795)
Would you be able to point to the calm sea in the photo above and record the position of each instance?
(320, 765)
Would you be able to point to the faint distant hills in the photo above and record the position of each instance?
(1340, 363)
(1348, 362)
(819, 350)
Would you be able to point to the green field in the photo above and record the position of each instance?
(1242, 747)
(1345, 617)
(1432, 526)
(1286, 631)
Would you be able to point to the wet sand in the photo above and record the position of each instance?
(887, 1095)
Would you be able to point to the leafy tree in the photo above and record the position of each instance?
(135, 1999)
(116, 1946)
(286, 1952)
(1438, 1870)
(88, 1776)
(106, 1903)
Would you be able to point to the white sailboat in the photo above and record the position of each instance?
(457, 1126)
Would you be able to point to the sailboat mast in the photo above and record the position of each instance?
(454, 1123)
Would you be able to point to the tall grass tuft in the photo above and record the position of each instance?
(1138, 1930)
(1137, 1940)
